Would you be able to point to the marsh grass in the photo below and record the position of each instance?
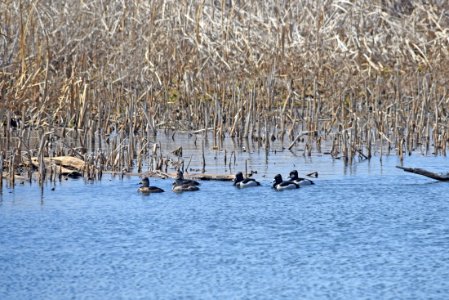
(98, 79)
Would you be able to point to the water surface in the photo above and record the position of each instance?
(368, 231)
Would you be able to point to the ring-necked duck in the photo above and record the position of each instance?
(146, 188)
(298, 180)
(241, 182)
(177, 188)
(179, 180)
(279, 184)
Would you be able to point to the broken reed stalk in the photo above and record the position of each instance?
(203, 169)
(42, 168)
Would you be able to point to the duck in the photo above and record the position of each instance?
(293, 176)
(241, 182)
(279, 184)
(146, 188)
(179, 180)
(178, 188)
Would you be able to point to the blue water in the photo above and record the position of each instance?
(369, 231)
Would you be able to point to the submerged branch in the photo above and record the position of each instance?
(436, 176)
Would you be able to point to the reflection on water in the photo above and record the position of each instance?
(364, 231)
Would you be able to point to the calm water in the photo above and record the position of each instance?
(370, 231)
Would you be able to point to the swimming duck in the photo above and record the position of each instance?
(241, 182)
(279, 184)
(179, 180)
(177, 188)
(146, 188)
(300, 181)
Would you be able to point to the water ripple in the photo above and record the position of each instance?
(365, 235)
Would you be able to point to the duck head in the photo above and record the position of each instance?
(293, 175)
(277, 179)
(238, 178)
(179, 175)
(145, 182)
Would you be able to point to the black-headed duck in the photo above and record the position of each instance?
(279, 184)
(241, 182)
(147, 189)
(179, 180)
(298, 180)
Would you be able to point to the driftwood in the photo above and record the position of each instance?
(219, 177)
(67, 165)
(212, 177)
(436, 176)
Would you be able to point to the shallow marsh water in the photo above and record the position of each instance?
(367, 231)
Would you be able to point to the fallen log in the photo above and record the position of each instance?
(436, 176)
(67, 165)
(212, 177)
(199, 176)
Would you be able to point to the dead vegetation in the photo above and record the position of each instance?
(97, 79)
